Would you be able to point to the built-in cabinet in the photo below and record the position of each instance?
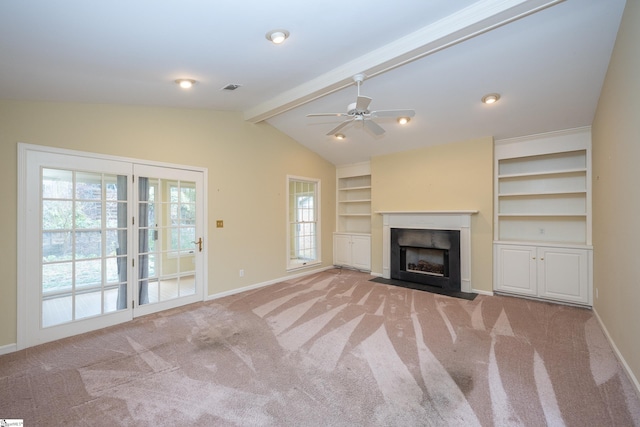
(542, 224)
(556, 273)
(352, 250)
(352, 239)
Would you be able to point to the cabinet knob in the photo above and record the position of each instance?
(533, 258)
(542, 259)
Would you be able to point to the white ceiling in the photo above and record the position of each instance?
(547, 58)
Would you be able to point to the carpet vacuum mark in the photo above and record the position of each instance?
(330, 349)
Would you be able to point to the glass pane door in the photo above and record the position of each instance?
(102, 240)
(169, 239)
(84, 245)
(74, 245)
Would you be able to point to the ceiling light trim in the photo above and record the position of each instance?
(277, 36)
(467, 23)
(490, 98)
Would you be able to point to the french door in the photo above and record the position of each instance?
(103, 240)
(168, 264)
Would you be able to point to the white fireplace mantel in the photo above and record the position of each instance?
(434, 220)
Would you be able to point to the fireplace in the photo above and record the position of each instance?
(459, 221)
(426, 257)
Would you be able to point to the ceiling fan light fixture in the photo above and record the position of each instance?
(277, 36)
(185, 83)
(404, 120)
(340, 136)
(491, 98)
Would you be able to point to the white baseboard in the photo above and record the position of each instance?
(267, 283)
(479, 292)
(9, 348)
(623, 362)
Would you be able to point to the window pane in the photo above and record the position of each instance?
(88, 304)
(187, 213)
(57, 246)
(56, 310)
(57, 184)
(187, 237)
(56, 277)
(111, 299)
(88, 186)
(88, 214)
(187, 194)
(152, 265)
(116, 242)
(153, 188)
(56, 215)
(116, 187)
(113, 272)
(88, 244)
(89, 273)
(116, 214)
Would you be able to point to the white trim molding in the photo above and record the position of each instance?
(459, 220)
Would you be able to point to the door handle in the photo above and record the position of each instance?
(199, 243)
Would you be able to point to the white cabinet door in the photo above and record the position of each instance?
(352, 250)
(516, 269)
(562, 274)
(559, 274)
(342, 249)
(361, 252)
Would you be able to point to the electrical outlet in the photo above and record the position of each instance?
(219, 223)
(241, 272)
(596, 293)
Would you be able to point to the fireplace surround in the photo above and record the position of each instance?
(459, 220)
(426, 257)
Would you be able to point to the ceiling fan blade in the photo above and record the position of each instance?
(337, 128)
(327, 114)
(363, 103)
(373, 127)
(393, 113)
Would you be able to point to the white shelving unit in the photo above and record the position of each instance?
(543, 205)
(352, 239)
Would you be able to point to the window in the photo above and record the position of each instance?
(303, 218)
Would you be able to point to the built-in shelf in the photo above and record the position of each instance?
(542, 216)
(543, 173)
(354, 198)
(543, 188)
(543, 193)
(352, 239)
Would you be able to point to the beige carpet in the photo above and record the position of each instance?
(331, 349)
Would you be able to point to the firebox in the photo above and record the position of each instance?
(426, 257)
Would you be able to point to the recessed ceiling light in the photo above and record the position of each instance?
(339, 136)
(277, 36)
(185, 83)
(492, 98)
(403, 120)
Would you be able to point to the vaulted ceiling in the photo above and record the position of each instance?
(546, 58)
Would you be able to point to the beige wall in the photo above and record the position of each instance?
(247, 165)
(444, 177)
(616, 197)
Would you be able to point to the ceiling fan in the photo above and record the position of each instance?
(358, 112)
